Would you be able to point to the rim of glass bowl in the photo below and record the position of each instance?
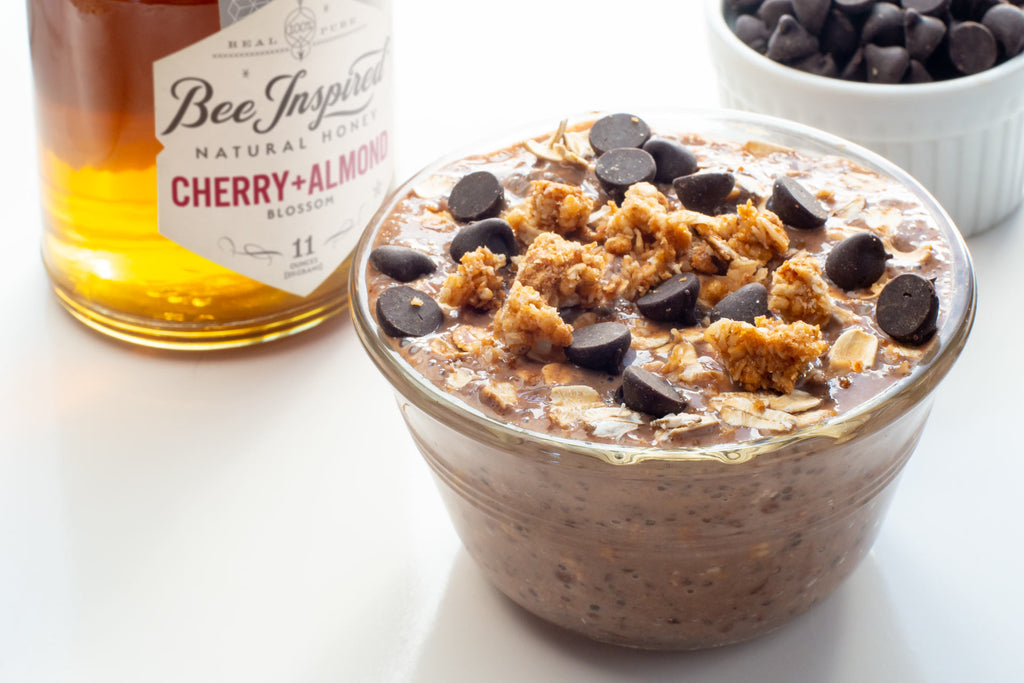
(887, 93)
(734, 125)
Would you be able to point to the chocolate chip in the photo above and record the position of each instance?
(619, 168)
(790, 41)
(771, 11)
(752, 31)
(917, 73)
(817, 64)
(645, 392)
(600, 346)
(1006, 23)
(494, 233)
(935, 8)
(671, 159)
(812, 13)
(704, 192)
(618, 130)
(972, 47)
(922, 34)
(886, 64)
(401, 263)
(477, 195)
(907, 309)
(406, 312)
(673, 301)
(839, 37)
(857, 262)
(797, 207)
(883, 26)
(745, 304)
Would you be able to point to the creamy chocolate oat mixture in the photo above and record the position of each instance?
(731, 291)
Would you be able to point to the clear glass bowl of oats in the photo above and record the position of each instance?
(710, 477)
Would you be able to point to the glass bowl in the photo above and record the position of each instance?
(672, 548)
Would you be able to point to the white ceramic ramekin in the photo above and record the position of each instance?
(963, 139)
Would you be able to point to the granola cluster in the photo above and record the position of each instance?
(565, 272)
(652, 240)
(551, 207)
(477, 282)
(799, 292)
(768, 354)
(527, 322)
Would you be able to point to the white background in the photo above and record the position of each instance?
(262, 515)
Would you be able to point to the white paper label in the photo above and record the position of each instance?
(276, 139)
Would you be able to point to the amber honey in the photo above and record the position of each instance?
(92, 62)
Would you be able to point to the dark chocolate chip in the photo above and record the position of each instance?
(600, 346)
(795, 205)
(839, 37)
(745, 304)
(1006, 23)
(671, 159)
(494, 233)
(854, 7)
(752, 31)
(645, 392)
(406, 312)
(477, 195)
(857, 262)
(619, 168)
(922, 34)
(934, 8)
(673, 301)
(819, 65)
(704, 192)
(812, 13)
(907, 309)
(771, 11)
(886, 64)
(884, 25)
(401, 263)
(790, 41)
(917, 73)
(618, 130)
(972, 47)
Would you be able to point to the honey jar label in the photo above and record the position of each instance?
(275, 135)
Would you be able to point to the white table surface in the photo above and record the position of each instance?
(262, 515)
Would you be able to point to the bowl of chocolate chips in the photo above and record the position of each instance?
(935, 86)
(666, 368)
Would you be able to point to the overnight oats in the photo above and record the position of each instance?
(667, 370)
